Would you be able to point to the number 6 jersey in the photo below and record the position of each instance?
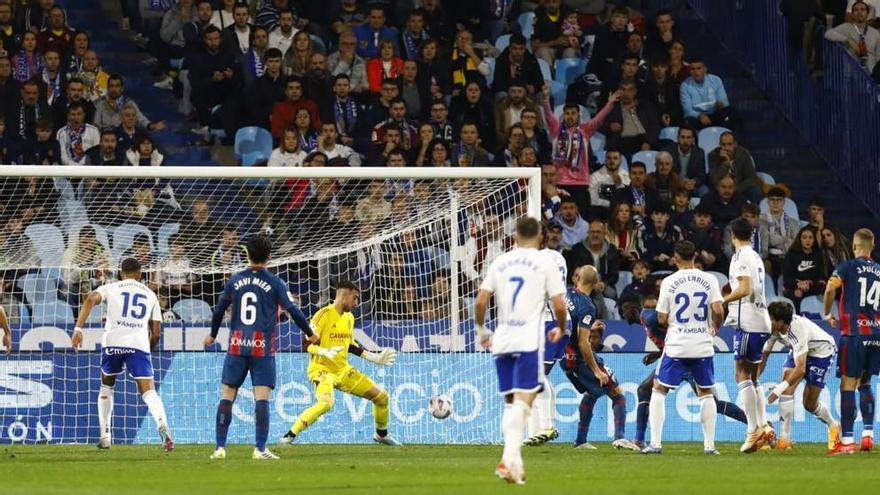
(687, 296)
(131, 306)
(859, 296)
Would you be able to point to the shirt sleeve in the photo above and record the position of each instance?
(714, 291)
(555, 283)
(489, 283)
(663, 300)
(103, 291)
(799, 340)
(157, 311)
(739, 268)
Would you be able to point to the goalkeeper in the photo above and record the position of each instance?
(329, 368)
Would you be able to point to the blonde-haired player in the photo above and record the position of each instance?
(329, 369)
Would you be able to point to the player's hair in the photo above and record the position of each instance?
(130, 266)
(259, 247)
(781, 311)
(685, 250)
(527, 228)
(346, 285)
(741, 229)
(863, 239)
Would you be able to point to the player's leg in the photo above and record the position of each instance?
(703, 372)
(866, 406)
(111, 366)
(520, 378)
(747, 354)
(325, 384)
(359, 384)
(542, 427)
(233, 375)
(811, 403)
(140, 367)
(852, 361)
(670, 372)
(262, 371)
(585, 417)
(618, 409)
(643, 393)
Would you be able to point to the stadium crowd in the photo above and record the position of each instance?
(635, 136)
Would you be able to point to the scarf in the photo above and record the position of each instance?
(54, 90)
(22, 119)
(465, 155)
(409, 43)
(756, 240)
(75, 64)
(461, 65)
(569, 147)
(75, 145)
(162, 5)
(345, 115)
(26, 66)
(862, 51)
(308, 142)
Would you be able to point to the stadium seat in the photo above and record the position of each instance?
(708, 138)
(780, 298)
(165, 232)
(123, 238)
(669, 133)
(526, 24)
(24, 314)
(769, 286)
(491, 76)
(611, 304)
(545, 69)
(567, 69)
(253, 157)
(624, 278)
(693, 202)
(720, 277)
(597, 141)
(250, 139)
(100, 233)
(192, 310)
(502, 42)
(51, 313)
(318, 43)
(65, 188)
(585, 113)
(73, 215)
(661, 273)
(39, 287)
(790, 207)
(647, 157)
(767, 178)
(557, 92)
(813, 305)
(48, 242)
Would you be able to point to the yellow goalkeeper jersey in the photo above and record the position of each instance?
(335, 330)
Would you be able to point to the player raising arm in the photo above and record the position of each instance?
(812, 351)
(7, 332)
(132, 329)
(255, 295)
(859, 282)
(329, 368)
(522, 280)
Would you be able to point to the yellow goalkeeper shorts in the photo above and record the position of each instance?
(351, 381)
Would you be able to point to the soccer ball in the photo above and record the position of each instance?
(440, 406)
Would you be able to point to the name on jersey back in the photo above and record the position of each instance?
(520, 260)
(872, 269)
(678, 282)
(262, 284)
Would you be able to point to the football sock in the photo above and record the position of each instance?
(105, 409)
(512, 422)
(618, 407)
(261, 421)
(823, 414)
(786, 414)
(157, 410)
(644, 398)
(585, 412)
(657, 416)
(380, 410)
(549, 420)
(541, 410)
(708, 415)
(310, 415)
(224, 417)
(866, 405)
(730, 410)
(847, 415)
(749, 399)
(760, 405)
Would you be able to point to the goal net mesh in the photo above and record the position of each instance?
(416, 247)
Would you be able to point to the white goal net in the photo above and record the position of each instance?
(416, 242)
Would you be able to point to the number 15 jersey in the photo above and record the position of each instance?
(131, 306)
(860, 297)
(686, 297)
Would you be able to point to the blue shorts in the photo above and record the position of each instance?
(748, 346)
(584, 380)
(519, 372)
(236, 368)
(672, 371)
(115, 359)
(817, 369)
(858, 354)
(555, 352)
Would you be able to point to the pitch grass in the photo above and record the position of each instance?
(348, 469)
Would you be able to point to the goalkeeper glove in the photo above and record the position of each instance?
(328, 353)
(483, 333)
(385, 357)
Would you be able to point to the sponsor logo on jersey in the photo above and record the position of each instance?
(243, 342)
(340, 336)
(117, 351)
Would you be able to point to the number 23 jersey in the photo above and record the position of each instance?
(686, 297)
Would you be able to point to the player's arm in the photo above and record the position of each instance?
(93, 299)
(717, 317)
(834, 283)
(765, 352)
(798, 372)
(155, 333)
(744, 290)
(560, 312)
(587, 351)
(7, 332)
(219, 311)
(385, 357)
(314, 348)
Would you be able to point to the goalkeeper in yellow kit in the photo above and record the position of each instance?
(329, 368)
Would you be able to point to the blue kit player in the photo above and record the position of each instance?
(585, 370)
(255, 295)
(859, 349)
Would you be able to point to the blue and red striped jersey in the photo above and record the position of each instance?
(583, 314)
(859, 296)
(651, 323)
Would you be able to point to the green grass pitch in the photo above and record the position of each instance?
(349, 469)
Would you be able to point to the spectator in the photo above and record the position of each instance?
(28, 62)
(107, 152)
(175, 280)
(816, 211)
(805, 268)
(36, 17)
(284, 112)
(413, 36)
(141, 249)
(10, 33)
(548, 41)
(471, 107)
(635, 48)
(396, 119)
(679, 70)
(389, 286)
(192, 30)
(108, 108)
(262, 94)
(610, 43)
(308, 138)
(663, 92)
(632, 125)
(595, 250)
(629, 71)
(347, 61)
(202, 231)
(414, 91)
(551, 195)
(270, 12)
(297, 59)
(74, 59)
(553, 239)
(734, 160)
(835, 246)
(724, 203)
(517, 64)
(708, 240)
(171, 43)
(9, 87)
(224, 16)
(657, 239)
(46, 150)
(128, 131)
(51, 76)
(528, 157)
(56, 36)
(777, 231)
(253, 61)
(436, 21)
(74, 93)
(281, 36)
(288, 153)
(682, 216)
(536, 135)
(93, 77)
(86, 267)
(231, 251)
(348, 17)
(385, 66)
(572, 30)
(214, 82)
(570, 146)
(508, 109)
(623, 234)
(704, 100)
(483, 245)
(143, 153)
(371, 33)
(426, 136)
(318, 83)
(373, 207)
(660, 38)
(77, 136)
(641, 282)
(574, 228)
(343, 110)
(439, 154)
(465, 63)
(664, 180)
(440, 121)
(434, 70)
(642, 198)
(605, 182)
(327, 144)
(509, 156)
(468, 152)
(689, 161)
(861, 39)
(749, 212)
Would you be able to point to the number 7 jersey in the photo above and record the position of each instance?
(859, 296)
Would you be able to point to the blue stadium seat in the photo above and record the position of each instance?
(647, 157)
(545, 69)
(526, 23)
(491, 76)
(48, 242)
(192, 310)
(669, 133)
(767, 178)
(65, 188)
(123, 238)
(720, 277)
(597, 141)
(708, 138)
(624, 278)
(100, 233)
(502, 42)
(73, 215)
(813, 305)
(52, 313)
(769, 286)
(165, 232)
(568, 69)
(24, 314)
(96, 317)
(557, 92)
(790, 207)
(39, 287)
(611, 304)
(318, 43)
(253, 138)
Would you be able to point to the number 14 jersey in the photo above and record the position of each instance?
(859, 297)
